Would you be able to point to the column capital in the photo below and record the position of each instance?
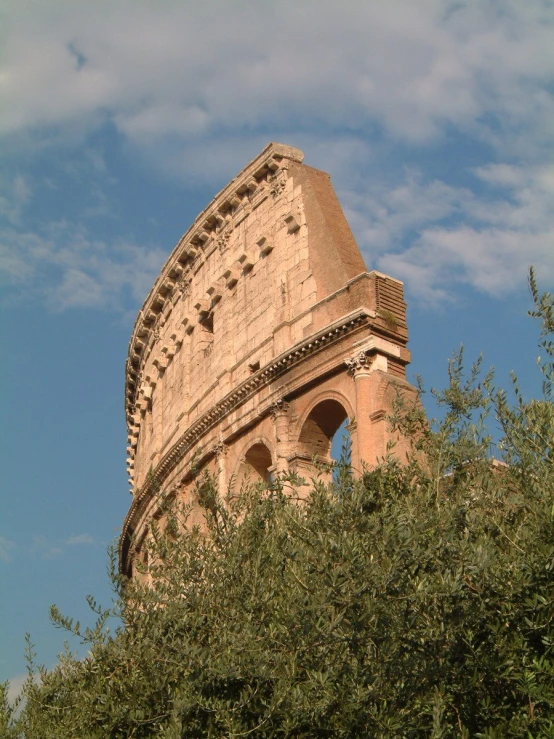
(279, 408)
(220, 449)
(360, 363)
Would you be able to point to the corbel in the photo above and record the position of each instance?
(188, 324)
(291, 223)
(246, 261)
(231, 275)
(215, 291)
(266, 247)
(191, 250)
(202, 308)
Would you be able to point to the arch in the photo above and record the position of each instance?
(319, 426)
(326, 394)
(256, 464)
(387, 388)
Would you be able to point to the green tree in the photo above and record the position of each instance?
(417, 601)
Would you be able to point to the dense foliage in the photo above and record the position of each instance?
(417, 601)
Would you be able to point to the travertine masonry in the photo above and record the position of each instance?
(262, 334)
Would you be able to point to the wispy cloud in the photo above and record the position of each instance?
(338, 77)
(6, 548)
(491, 260)
(435, 235)
(15, 194)
(414, 69)
(438, 237)
(45, 549)
(69, 268)
(79, 539)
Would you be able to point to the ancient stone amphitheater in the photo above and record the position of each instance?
(262, 334)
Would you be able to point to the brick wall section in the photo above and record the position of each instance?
(334, 255)
(390, 299)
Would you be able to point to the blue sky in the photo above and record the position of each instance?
(120, 121)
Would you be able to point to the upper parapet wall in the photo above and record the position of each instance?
(323, 210)
(189, 247)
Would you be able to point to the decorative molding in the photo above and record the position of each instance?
(223, 240)
(277, 185)
(182, 286)
(377, 416)
(372, 355)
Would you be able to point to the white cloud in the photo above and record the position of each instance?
(6, 547)
(71, 269)
(438, 237)
(80, 539)
(194, 89)
(434, 235)
(527, 196)
(14, 196)
(492, 261)
(382, 216)
(183, 70)
(45, 549)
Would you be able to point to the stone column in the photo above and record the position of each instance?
(220, 452)
(371, 422)
(280, 413)
(359, 368)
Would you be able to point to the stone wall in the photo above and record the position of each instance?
(263, 332)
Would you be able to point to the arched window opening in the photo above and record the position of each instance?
(321, 428)
(256, 465)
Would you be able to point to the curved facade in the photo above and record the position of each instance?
(263, 332)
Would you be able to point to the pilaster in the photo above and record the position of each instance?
(220, 450)
(279, 411)
(369, 431)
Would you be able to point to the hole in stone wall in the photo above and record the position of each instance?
(207, 322)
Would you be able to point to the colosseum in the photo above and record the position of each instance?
(263, 333)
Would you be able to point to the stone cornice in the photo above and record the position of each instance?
(237, 397)
(180, 263)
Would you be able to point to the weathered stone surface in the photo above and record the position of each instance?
(263, 332)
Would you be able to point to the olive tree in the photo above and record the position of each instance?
(415, 600)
